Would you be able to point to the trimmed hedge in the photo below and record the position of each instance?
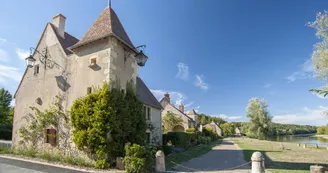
(179, 139)
(191, 130)
(5, 134)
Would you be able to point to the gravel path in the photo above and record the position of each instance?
(222, 157)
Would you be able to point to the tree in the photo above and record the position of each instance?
(320, 52)
(321, 130)
(105, 120)
(227, 129)
(5, 100)
(259, 119)
(170, 121)
(205, 119)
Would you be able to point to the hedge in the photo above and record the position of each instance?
(5, 134)
(179, 139)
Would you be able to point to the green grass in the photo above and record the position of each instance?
(293, 160)
(192, 152)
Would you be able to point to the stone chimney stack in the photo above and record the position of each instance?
(59, 21)
(167, 97)
(181, 107)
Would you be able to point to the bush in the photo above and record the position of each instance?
(191, 130)
(102, 164)
(205, 139)
(180, 139)
(137, 159)
(5, 134)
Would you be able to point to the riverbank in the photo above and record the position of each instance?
(322, 136)
(293, 159)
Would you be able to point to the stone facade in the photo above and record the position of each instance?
(215, 128)
(74, 74)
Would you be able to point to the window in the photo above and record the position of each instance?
(148, 113)
(93, 62)
(51, 136)
(36, 69)
(89, 90)
(148, 137)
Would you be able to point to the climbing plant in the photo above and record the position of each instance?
(105, 120)
(34, 130)
(170, 121)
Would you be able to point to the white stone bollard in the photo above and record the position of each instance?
(317, 169)
(304, 145)
(257, 163)
(298, 144)
(160, 161)
(119, 163)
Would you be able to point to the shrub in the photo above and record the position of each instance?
(102, 164)
(137, 159)
(5, 134)
(180, 139)
(191, 130)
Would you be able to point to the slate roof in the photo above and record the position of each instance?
(66, 42)
(106, 24)
(145, 95)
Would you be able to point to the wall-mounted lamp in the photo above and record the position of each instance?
(141, 58)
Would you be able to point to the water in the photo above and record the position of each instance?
(309, 139)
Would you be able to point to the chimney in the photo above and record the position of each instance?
(167, 97)
(181, 108)
(59, 22)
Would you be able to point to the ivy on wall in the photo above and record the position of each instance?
(105, 120)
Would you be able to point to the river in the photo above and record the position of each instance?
(302, 139)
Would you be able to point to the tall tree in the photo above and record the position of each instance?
(259, 119)
(5, 99)
(170, 121)
(320, 52)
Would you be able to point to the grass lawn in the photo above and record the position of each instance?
(293, 160)
(189, 154)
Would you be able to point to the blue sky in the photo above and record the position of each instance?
(211, 55)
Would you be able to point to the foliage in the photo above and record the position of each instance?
(32, 133)
(170, 121)
(179, 139)
(191, 130)
(227, 129)
(259, 119)
(138, 159)
(291, 129)
(6, 114)
(323, 130)
(205, 119)
(208, 132)
(105, 120)
(205, 139)
(102, 164)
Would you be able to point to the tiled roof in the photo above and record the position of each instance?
(106, 24)
(66, 42)
(145, 95)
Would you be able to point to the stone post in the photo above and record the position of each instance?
(119, 163)
(317, 169)
(316, 146)
(257, 163)
(160, 161)
(298, 144)
(304, 145)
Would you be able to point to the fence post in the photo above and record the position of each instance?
(298, 144)
(316, 146)
(160, 161)
(304, 145)
(317, 169)
(257, 163)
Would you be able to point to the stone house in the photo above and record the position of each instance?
(193, 115)
(215, 128)
(187, 123)
(238, 131)
(74, 67)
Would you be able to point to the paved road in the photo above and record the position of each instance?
(224, 156)
(17, 166)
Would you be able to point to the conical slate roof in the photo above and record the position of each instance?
(106, 24)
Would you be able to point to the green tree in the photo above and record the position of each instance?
(170, 121)
(320, 52)
(227, 129)
(105, 120)
(259, 119)
(5, 109)
(321, 130)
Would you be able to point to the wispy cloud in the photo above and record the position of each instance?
(229, 118)
(22, 54)
(200, 83)
(9, 74)
(267, 86)
(304, 116)
(305, 72)
(183, 71)
(176, 97)
(189, 104)
(2, 41)
(4, 57)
